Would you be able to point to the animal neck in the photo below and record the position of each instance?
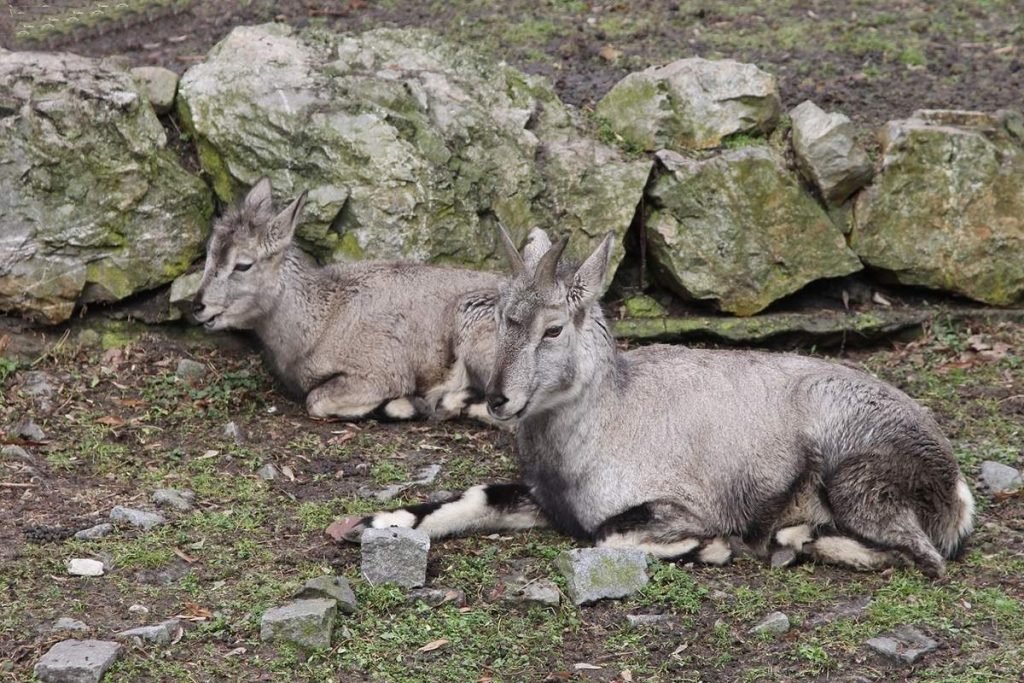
(286, 318)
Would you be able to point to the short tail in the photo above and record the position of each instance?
(952, 536)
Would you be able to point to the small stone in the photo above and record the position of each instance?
(597, 573)
(85, 567)
(435, 597)
(268, 472)
(827, 152)
(158, 84)
(395, 555)
(997, 478)
(77, 661)
(776, 623)
(159, 634)
(382, 495)
(139, 518)
(331, 588)
(37, 384)
(183, 292)
(138, 609)
(783, 557)
(441, 496)
(638, 620)
(94, 532)
(233, 432)
(426, 475)
(543, 591)
(30, 430)
(180, 500)
(190, 369)
(17, 453)
(69, 624)
(306, 623)
(904, 644)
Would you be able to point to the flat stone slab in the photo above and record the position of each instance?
(138, 518)
(597, 573)
(158, 634)
(330, 588)
(77, 661)
(543, 591)
(305, 623)
(395, 555)
(905, 644)
(997, 478)
(80, 566)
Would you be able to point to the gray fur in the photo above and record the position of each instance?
(676, 450)
(349, 338)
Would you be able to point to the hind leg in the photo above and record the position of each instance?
(666, 531)
(872, 501)
(350, 398)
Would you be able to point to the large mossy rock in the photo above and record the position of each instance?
(409, 146)
(737, 229)
(93, 206)
(690, 104)
(947, 210)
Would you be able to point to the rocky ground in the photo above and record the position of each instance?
(874, 60)
(118, 412)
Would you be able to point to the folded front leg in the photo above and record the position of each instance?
(487, 508)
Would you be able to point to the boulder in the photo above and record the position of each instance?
(94, 207)
(737, 229)
(690, 104)
(775, 623)
(947, 209)
(999, 479)
(334, 588)
(827, 153)
(395, 555)
(158, 84)
(158, 634)
(142, 519)
(409, 146)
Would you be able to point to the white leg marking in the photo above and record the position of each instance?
(383, 520)
(454, 402)
(471, 511)
(716, 552)
(963, 492)
(849, 552)
(794, 536)
(664, 550)
(327, 407)
(400, 409)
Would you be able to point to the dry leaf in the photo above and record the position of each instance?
(195, 612)
(434, 645)
(237, 651)
(181, 553)
(288, 472)
(584, 666)
(609, 53)
(626, 675)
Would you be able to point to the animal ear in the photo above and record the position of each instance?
(537, 244)
(588, 282)
(259, 197)
(278, 234)
(511, 253)
(544, 275)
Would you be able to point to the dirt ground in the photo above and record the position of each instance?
(873, 60)
(119, 423)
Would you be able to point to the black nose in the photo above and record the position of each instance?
(197, 307)
(495, 401)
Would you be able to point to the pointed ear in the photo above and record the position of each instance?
(259, 197)
(544, 275)
(537, 244)
(278, 234)
(588, 282)
(511, 253)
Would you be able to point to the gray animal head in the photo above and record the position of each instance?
(542, 310)
(243, 261)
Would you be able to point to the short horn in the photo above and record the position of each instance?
(548, 265)
(514, 258)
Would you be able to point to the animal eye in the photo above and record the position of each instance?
(552, 331)
(242, 267)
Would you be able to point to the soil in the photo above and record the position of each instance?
(874, 61)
